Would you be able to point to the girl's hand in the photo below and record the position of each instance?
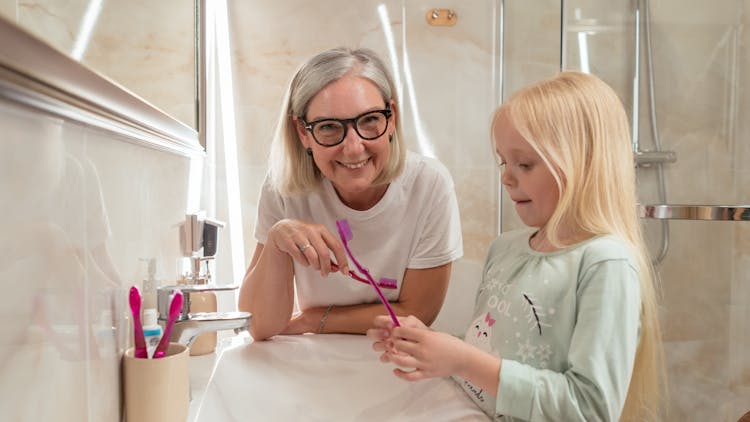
(430, 353)
(309, 244)
(382, 333)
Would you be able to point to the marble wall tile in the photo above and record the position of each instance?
(531, 43)
(86, 208)
(8, 9)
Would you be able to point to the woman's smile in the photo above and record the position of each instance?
(355, 165)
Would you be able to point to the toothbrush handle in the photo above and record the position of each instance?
(357, 277)
(382, 299)
(141, 351)
(174, 310)
(369, 279)
(161, 348)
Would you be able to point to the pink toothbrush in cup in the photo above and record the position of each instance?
(174, 311)
(345, 232)
(135, 307)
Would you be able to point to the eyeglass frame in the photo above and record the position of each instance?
(310, 126)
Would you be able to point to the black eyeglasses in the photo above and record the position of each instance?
(331, 132)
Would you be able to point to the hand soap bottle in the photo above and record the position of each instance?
(150, 284)
(203, 302)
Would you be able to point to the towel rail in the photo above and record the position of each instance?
(695, 212)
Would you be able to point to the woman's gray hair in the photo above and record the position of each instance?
(292, 170)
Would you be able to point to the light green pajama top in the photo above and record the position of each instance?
(565, 324)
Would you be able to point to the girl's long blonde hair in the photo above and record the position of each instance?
(578, 126)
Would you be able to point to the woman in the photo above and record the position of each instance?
(338, 154)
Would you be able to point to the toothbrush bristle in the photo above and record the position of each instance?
(344, 230)
(387, 283)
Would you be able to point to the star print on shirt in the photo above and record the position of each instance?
(544, 353)
(526, 351)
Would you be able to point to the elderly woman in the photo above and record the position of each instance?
(338, 154)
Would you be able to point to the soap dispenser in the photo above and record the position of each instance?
(150, 283)
(205, 301)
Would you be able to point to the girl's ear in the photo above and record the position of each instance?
(302, 133)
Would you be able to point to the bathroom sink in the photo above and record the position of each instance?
(322, 377)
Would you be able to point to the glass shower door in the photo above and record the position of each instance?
(678, 67)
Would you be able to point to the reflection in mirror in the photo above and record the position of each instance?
(147, 47)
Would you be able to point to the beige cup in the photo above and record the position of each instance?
(157, 390)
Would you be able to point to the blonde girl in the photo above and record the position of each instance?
(565, 325)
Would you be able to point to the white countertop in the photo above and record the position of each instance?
(327, 377)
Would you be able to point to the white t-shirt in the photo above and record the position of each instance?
(415, 225)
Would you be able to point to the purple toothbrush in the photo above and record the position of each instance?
(345, 232)
(386, 283)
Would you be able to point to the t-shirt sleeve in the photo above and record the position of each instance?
(601, 355)
(440, 239)
(270, 210)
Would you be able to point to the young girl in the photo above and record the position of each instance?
(565, 322)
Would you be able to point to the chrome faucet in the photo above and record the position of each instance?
(188, 326)
(199, 233)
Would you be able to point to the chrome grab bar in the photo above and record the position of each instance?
(647, 158)
(695, 212)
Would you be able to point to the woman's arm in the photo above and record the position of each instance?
(267, 292)
(422, 295)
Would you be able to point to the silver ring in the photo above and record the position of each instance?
(303, 247)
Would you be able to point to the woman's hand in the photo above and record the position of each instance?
(414, 345)
(309, 244)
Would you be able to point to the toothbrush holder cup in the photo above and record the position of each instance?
(157, 390)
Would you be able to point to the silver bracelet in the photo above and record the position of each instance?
(323, 319)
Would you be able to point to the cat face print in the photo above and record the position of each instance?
(479, 333)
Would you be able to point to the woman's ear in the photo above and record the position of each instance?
(302, 133)
(394, 115)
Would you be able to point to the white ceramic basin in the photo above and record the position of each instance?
(323, 378)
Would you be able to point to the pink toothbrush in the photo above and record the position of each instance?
(135, 308)
(174, 311)
(345, 232)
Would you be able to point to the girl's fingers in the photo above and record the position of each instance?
(408, 333)
(404, 360)
(378, 334)
(379, 346)
(414, 375)
(406, 346)
(383, 322)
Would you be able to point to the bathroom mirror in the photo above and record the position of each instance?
(147, 47)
